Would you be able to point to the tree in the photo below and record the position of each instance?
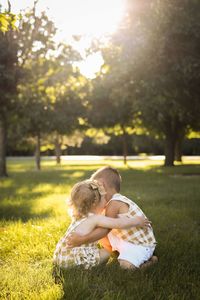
(172, 80)
(160, 52)
(67, 92)
(32, 40)
(8, 82)
(35, 104)
(112, 106)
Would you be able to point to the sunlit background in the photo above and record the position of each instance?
(88, 18)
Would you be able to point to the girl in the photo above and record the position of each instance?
(87, 202)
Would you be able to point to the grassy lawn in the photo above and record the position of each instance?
(33, 216)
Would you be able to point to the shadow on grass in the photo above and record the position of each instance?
(20, 191)
(22, 213)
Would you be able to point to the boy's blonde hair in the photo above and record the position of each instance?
(85, 195)
(111, 175)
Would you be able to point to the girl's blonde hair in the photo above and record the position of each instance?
(85, 195)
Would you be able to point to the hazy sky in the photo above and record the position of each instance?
(93, 18)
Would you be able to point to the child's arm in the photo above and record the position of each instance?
(120, 223)
(75, 240)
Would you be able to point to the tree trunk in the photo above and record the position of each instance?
(169, 150)
(178, 145)
(3, 171)
(178, 150)
(125, 146)
(57, 150)
(37, 153)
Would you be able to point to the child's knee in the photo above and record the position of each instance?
(124, 264)
(104, 255)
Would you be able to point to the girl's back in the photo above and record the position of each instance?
(87, 255)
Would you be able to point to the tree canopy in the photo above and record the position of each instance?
(149, 81)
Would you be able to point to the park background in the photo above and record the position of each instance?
(90, 83)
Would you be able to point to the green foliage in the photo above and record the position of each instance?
(34, 216)
(170, 87)
(41, 91)
(7, 21)
(8, 72)
(150, 78)
(8, 79)
(111, 104)
(35, 41)
(155, 59)
(119, 109)
(57, 89)
(34, 34)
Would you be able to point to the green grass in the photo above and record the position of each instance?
(33, 216)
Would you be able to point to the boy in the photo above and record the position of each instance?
(135, 245)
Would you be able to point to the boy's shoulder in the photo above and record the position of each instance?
(119, 198)
(122, 198)
(117, 201)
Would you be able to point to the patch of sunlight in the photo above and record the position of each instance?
(55, 203)
(192, 161)
(20, 164)
(144, 164)
(61, 190)
(22, 278)
(93, 165)
(6, 183)
(77, 174)
(42, 188)
(48, 188)
(23, 190)
(84, 167)
(159, 171)
(83, 162)
(11, 202)
(49, 163)
(53, 292)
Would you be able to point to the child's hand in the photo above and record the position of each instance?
(74, 240)
(142, 222)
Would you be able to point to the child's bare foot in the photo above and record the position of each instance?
(151, 261)
(124, 264)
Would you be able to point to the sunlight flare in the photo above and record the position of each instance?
(92, 19)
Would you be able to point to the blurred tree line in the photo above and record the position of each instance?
(145, 98)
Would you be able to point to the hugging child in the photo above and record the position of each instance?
(87, 201)
(135, 245)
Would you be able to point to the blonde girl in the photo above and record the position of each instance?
(87, 202)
